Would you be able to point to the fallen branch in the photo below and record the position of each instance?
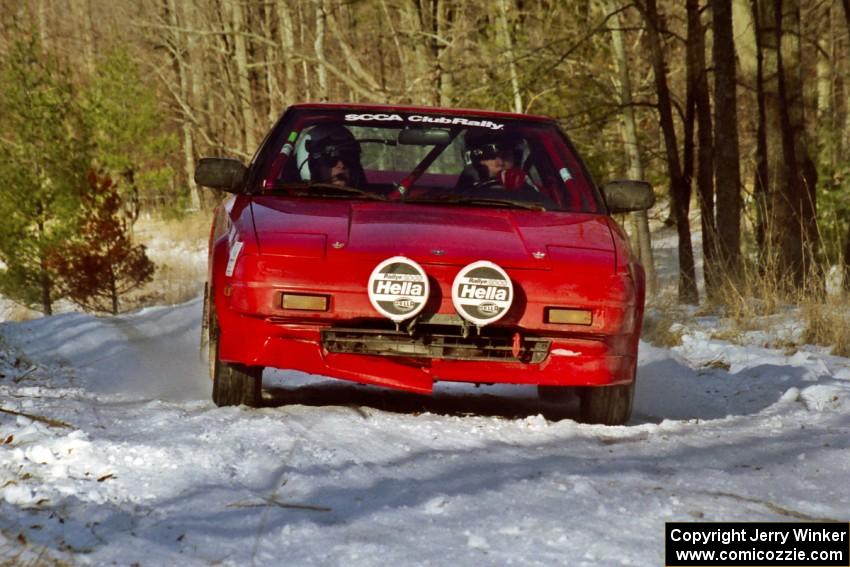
(20, 377)
(48, 420)
(310, 507)
(781, 510)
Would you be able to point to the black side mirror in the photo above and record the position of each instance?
(225, 174)
(625, 196)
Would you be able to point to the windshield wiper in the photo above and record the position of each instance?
(484, 201)
(506, 202)
(316, 189)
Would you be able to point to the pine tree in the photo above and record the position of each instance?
(100, 263)
(43, 159)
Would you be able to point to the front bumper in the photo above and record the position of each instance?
(372, 354)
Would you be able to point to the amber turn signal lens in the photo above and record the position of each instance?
(305, 302)
(569, 316)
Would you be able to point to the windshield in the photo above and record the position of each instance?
(423, 158)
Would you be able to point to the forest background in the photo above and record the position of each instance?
(738, 109)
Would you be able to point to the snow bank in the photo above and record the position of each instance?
(110, 451)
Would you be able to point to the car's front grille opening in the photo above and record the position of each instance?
(442, 341)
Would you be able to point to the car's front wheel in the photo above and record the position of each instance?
(233, 384)
(236, 384)
(607, 405)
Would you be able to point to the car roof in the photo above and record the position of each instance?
(430, 109)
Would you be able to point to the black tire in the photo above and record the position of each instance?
(233, 384)
(555, 394)
(607, 405)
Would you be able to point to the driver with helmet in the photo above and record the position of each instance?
(333, 156)
(493, 161)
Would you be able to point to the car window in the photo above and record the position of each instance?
(379, 156)
(425, 157)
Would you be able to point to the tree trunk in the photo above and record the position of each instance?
(302, 43)
(780, 227)
(680, 188)
(845, 263)
(445, 80)
(761, 183)
(286, 37)
(640, 221)
(705, 148)
(180, 68)
(246, 105)
(403, 66)
(319, 47)
(41, 18)
(113, 292)
(357, 77)
(189, 165)
(509, 55)
(791, 237)
(727, 158)
(44, 276)
(423, 89)
(846, 255)
(46, 299)
(825, 74)
(845, 139)
(273, 93)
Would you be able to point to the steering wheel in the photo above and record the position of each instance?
(489, 184)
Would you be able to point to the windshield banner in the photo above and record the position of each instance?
(421, 119)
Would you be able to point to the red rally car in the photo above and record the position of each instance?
(398, 246)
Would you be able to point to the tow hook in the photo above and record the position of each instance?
(516, 347)
(464, 328)
(411, 326)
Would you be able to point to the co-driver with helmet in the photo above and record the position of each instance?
(494, 160)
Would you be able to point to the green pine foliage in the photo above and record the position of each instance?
(126, 120)
(44, 155)
(833, 196)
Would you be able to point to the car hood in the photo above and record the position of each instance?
(426, 233)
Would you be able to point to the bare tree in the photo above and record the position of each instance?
(509, 55)
(180, 53)
(640, 220)
(699, 110)
(244, 91)
(726, 154)
(846, 252)
(761, 171)
(319, 47)
(791, 233)
(286, 37)
(680, 187)
(419, 51)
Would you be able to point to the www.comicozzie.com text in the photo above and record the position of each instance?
(756, 534)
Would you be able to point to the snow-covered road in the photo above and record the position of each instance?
(134, 465)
